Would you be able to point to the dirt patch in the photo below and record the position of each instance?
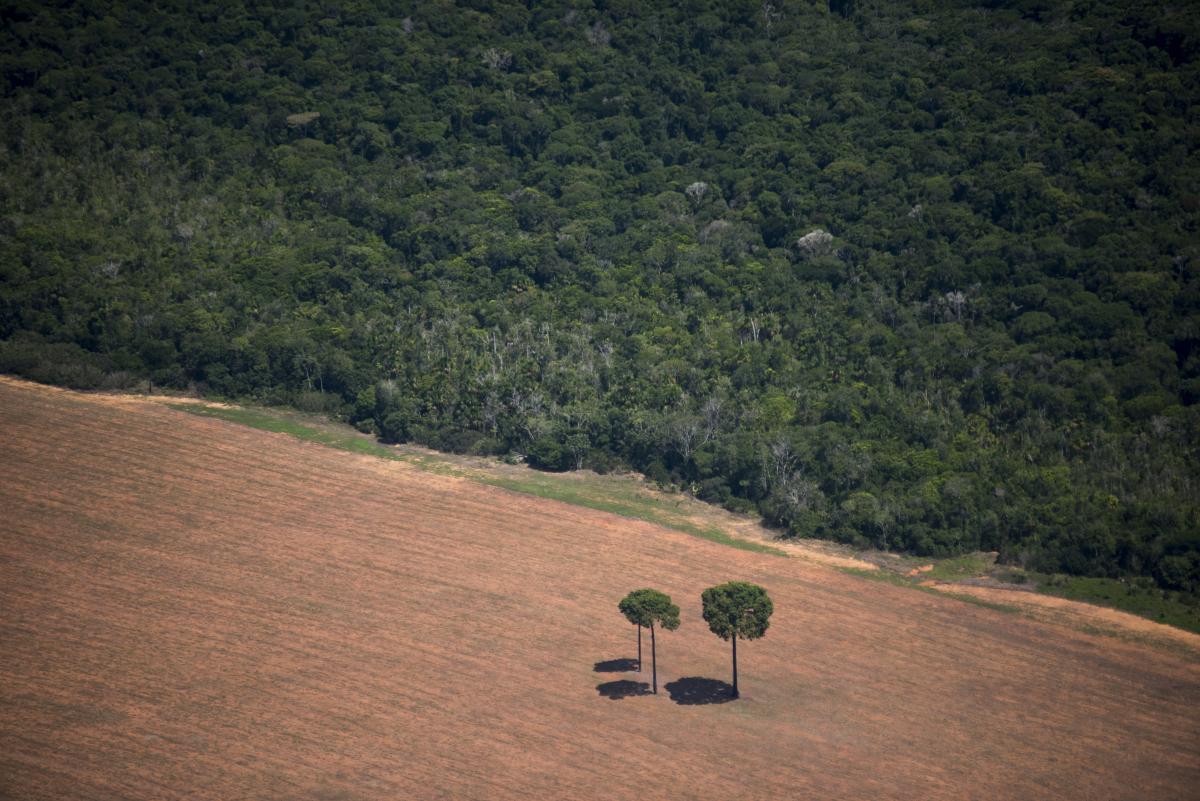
(1062, 611)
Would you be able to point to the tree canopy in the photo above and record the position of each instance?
(650, 608)
(737, 609)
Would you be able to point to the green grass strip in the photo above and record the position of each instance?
(266, 421)
(639, 509)
(1128, 596)
(592, 495)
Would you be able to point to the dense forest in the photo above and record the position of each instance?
(919, 275)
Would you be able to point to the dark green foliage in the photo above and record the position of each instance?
(545, 453)
(63, 363)
(737, 609)
(650, 608)
(918, 275)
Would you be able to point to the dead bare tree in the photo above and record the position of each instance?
(711, 413)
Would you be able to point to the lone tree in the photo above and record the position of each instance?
(737, 609)
(647, 608)
(632, 611)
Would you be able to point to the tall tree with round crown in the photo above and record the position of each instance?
(650, 608)
(737, 609)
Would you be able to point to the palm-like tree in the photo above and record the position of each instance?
(650, 608)
(737, 609)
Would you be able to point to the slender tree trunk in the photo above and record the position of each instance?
(653, 660)
(639, 670)
(735, 689)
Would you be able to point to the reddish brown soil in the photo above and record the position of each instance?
(190, 609)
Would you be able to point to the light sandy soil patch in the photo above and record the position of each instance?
(1062, 611)
(194, 609)
(824, 553)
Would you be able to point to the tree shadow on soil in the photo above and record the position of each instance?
(696, 690)
(616, 690)
(616, 666)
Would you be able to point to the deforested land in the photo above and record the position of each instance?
(373, 374)
(191, 608)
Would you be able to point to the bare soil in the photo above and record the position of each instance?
(194, 609)
(1063, 611)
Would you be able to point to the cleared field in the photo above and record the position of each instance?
(193, 609)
